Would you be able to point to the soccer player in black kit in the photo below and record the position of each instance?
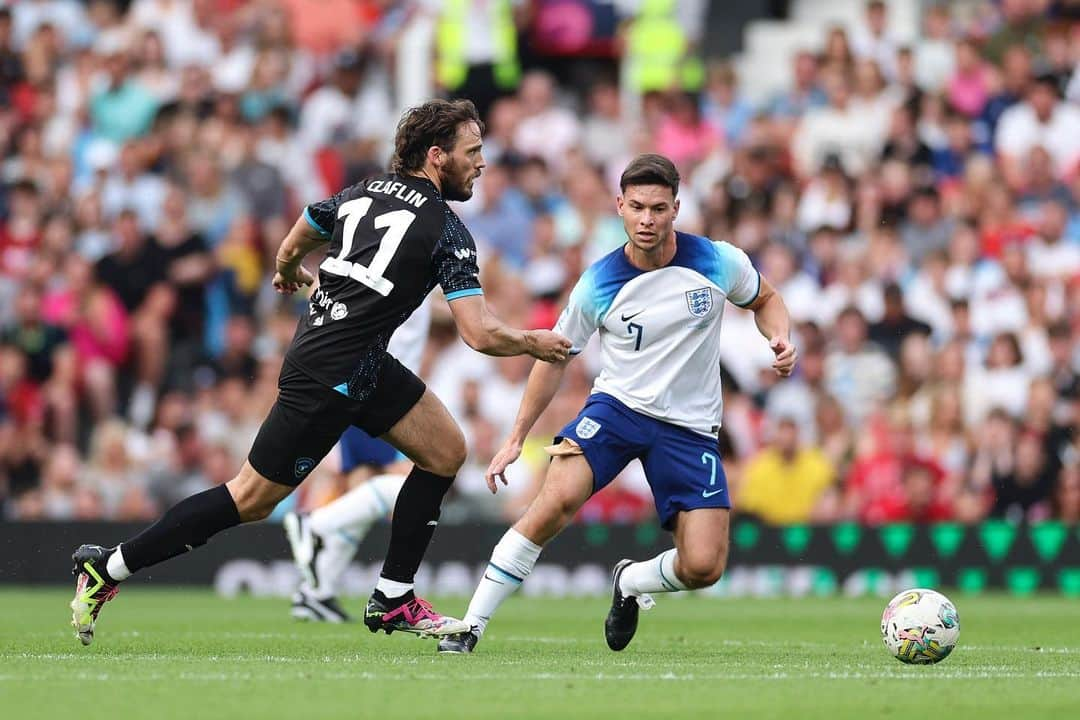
(391, 240)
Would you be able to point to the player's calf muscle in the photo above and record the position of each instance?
(545, 519)
(255, 496)
(566, 488)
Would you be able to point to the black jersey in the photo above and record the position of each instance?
(392, 239)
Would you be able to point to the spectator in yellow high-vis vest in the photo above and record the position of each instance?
(658, 52)
(476, 44)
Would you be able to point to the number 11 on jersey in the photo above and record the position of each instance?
(397, 223)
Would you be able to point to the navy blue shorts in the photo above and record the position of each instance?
(683, 467)
(358, 448)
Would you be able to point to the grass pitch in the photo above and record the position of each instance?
(181, 654)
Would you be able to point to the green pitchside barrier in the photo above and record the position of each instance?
(796, 560)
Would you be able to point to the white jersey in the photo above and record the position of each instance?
(408, 341)
(660, 329)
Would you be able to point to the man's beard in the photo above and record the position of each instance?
(455, 183)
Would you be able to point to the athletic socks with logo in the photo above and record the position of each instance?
(342, 524)
(185, 526)
(511, 562)
(416, 515)
(651, 576)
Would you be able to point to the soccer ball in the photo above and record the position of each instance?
(920, 626)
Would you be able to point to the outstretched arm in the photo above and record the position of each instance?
(290, 273)
(773, 321)
(544, 381)
(485, 333)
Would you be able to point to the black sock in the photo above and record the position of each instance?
(416, 514)
(394, 601)
(185, 526)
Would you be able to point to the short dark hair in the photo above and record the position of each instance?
(926, 192)
(1059, 330)
(433, 124)
(650, 169)
(1048, 81)
(851, 311)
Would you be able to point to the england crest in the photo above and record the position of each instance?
(586, 428)
(699, 301)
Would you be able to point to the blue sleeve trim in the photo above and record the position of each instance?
(463, 293)
(756, 293)
(314, 225)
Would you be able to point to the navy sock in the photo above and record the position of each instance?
(416, 514)
(185, 526)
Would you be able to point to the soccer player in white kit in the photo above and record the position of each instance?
(324, 541)
(657, 303)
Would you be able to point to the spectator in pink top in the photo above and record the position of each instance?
(98, 328)
(969, 87)
(683, 135)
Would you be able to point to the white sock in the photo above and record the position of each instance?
(392, 588)
(651, 576)
(330, 565)
(116, 567)
(511, 562)
(355, 511)
(343, 523)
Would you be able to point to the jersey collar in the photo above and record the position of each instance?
(680, 244)
(420, 180)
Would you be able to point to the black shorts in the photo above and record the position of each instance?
(308, 418)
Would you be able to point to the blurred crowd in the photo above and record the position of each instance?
(917, 205)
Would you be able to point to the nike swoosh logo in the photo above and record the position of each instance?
(626, 317)
(707, 494)
(488, 577)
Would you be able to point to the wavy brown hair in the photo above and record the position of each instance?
(433, 124)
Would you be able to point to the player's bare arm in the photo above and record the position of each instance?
(774, 322)
(544, 381)
(485, 333)
(391, 239)
(289, 271)
(652, 302)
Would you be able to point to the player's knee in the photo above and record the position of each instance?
(252, 507)
(255, 511)
(448, 455)
(254, 497)
(564, 508)
(700, 572)
(457, 453)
